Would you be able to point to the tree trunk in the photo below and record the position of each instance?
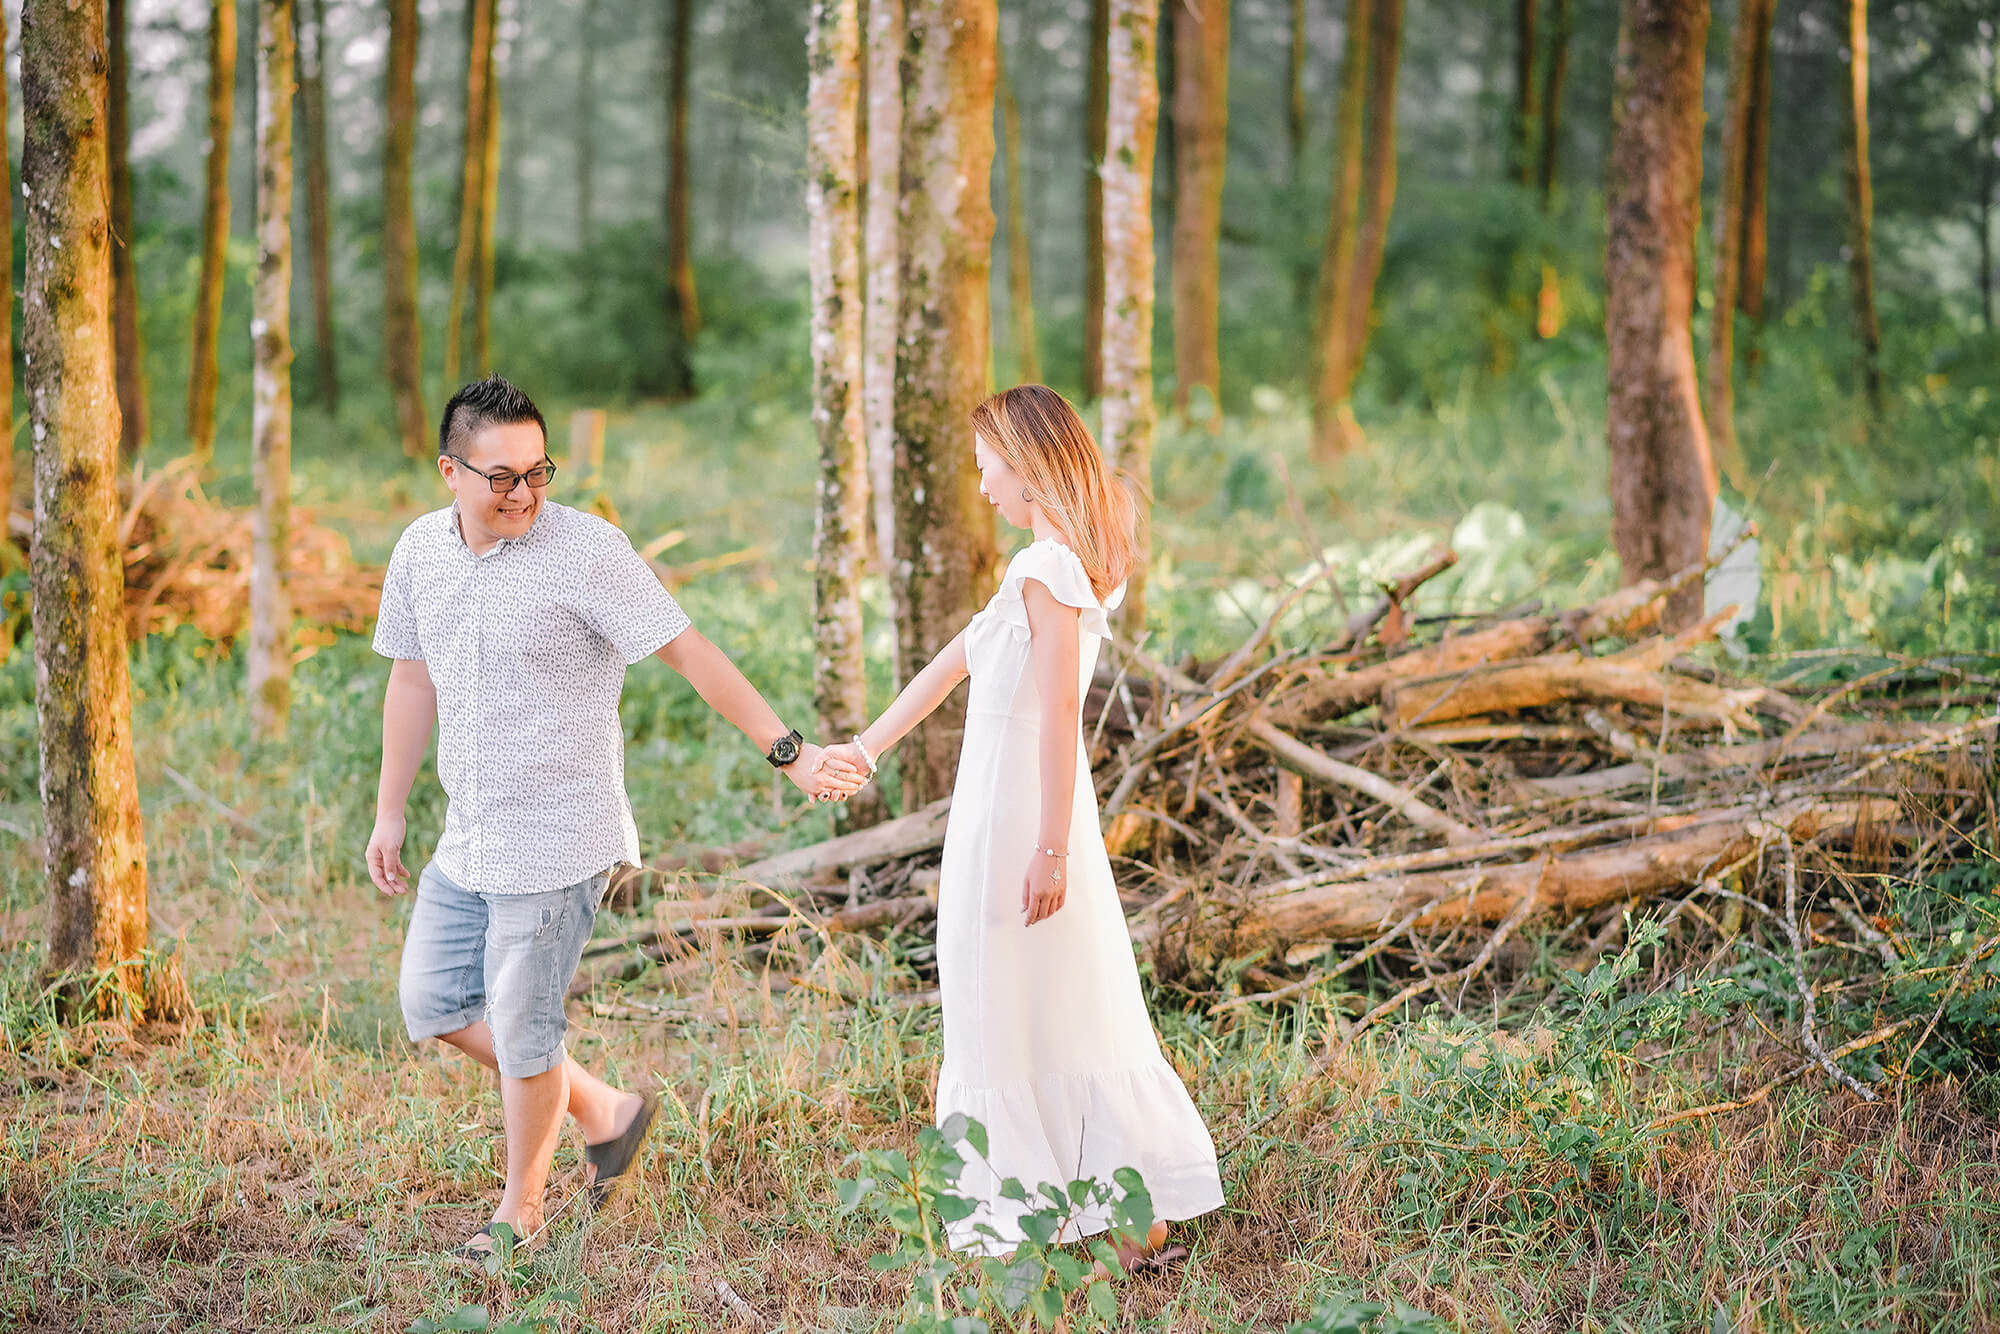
(1378, 181)
(944, 532)
(885, 121)
(402, 343)
(586, 146)
(271, 404)
(676, 378)
(96, 851)
(1553, 75)
(1861, 207)
(214, 231)
(1523, 136)
(1334, 431)
(129, 352)
(1295, 92)
(1201, 149)
(1756, 180)
(1166, 190)
(1753, 26)
(8, 552)
(319, 230)
(833, 214)
(1096, 90)
(1020, 264)
(472, 178)
(1662, 480)
(489, 216)
(1131, 120)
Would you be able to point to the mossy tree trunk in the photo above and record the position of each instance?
(1295, 92)
(1096, 89)
(1132, 118)
(471, 181)
(1201, 155)
(676, 377)
(944, 555)
(402, 342)
(1554, 74)
(885, 122)
(128, 349)
(1861, 208)
(270, 651)
(96, 853)
(1378, 184)
(1739, 137)
(1662, 480)
(214, 231)
(319, 227)
(9, 555)
(1020, 260)
(1334, 431)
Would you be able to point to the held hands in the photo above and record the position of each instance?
(1045, 886)
(385, 855)
(825, 775)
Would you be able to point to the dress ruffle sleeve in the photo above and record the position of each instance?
(1059, 569)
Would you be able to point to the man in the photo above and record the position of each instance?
(511, 620)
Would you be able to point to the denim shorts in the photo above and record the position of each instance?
(505, 958)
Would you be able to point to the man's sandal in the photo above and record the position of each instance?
(611, 1161)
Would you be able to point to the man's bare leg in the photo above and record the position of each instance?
(601, 1111)
(532, 1110)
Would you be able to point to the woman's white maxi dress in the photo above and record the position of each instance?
(1047, 1042)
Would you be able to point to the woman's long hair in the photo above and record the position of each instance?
(1042, 439)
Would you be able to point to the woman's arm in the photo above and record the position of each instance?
(1056, 663)
(918, 700)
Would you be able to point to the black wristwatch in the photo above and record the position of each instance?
(785, 750)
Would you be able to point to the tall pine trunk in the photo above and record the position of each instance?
(676, 378)
(8, 554)
(883, 313)
(1378, 181)
(271, 403)
(1096, 89)
(944, 532)
(1334, 430)
(1522, 137)
(319, 227)
(1295, 93)
(1861, 207)
(129, 351)
(833, 215)
(485, 258)
(1020, 263)
(96, 853)
(1554, 74)
(586, 146)
(1131, 123)
(1753, 29)
(472, 179)
(1201, 152)
(1662, 480)
(214, 231)
(402, 343)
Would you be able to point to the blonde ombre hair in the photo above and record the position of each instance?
(1039, 435)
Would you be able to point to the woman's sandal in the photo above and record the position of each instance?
(612, 1160)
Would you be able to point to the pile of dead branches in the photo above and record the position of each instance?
(1424, 786)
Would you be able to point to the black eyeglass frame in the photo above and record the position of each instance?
(513, 479)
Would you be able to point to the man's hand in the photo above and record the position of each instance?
(849, 755)
(823, 776)
(1044, 887)
(385, 855)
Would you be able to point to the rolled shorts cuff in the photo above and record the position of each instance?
(419, 1029)
(514, 1067)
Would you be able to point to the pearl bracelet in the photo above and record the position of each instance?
(865, 755)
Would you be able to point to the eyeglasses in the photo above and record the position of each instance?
(504, 481)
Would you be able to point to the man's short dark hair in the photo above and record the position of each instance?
(493, 401)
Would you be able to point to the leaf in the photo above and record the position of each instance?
(1047, 1306)
(1012, 1189)
(953, 1129)
(472, 1317)
(1079, 1191)
(975, 1135)
(1107, 1255)
(886, 1261)
(952, 1208)
(1103, 1301)
(852, 1193)
(1068, 1270)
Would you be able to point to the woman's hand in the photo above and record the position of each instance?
(824, 777)
(848, 755)
(1045, 886)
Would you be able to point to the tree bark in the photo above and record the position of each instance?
(319, 227)
(833, 214)
(586, 145)
(1334, 431)
(1662, 479)
(885, 122)
(129, 351)
(1201, 150)
(945, 554)
(1295, 92)
(675, 378)
(1861, 207)
(402, 343)
(1753, 26)
(489, 216)
(1554, 73)
(1131, 121)
(8, 552)
(214, 231)
(96, 852)
(1020, 264)
(472, 179)
(1378, 182)
(1523, 136)
(1096, 89)
(1756, 183)
(270, 654)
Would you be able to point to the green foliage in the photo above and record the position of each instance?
(1949, 972)
(1348, 1315)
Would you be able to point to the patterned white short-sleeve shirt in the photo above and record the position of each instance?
(527, 646)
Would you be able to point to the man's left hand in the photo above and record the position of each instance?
(824, 777)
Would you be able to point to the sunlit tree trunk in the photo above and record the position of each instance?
(1378, 182)
(1295, 92)
(271, 403)
(1131, 123)
(1554, 73)
(1662, 480)
(489, 215)
(1020, 263)
(1756, 189)
(676, 376)
(8, 553)
(319, 228)
(1861, 207)
(1523, 135)
(1334, 431)
(129, 352)
(1201, 150)
(586, 144)
(472, 179)
(1096, 87)
(944, 532)
(1753, 28)
(402, 345)
(214, 231)
(96, 853)
(883, 313)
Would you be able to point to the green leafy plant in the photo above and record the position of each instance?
(536, 1315)
(1346, 1315)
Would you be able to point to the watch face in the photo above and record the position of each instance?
(783, 751)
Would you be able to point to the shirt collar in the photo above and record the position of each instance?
(500, 544)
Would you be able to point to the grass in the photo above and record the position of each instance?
(291, 1162)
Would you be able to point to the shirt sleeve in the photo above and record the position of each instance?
(624, 601)
(396, 620)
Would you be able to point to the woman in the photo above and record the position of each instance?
(1047, 1042)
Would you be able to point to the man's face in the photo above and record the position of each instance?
(511, 448)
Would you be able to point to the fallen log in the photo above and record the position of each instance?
(1560, 678)
(1309, 763)
(919, 831)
